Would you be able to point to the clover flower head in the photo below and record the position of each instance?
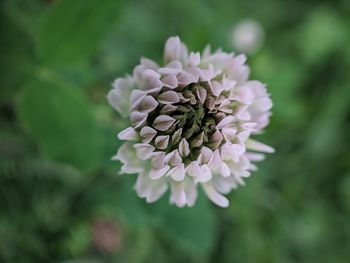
(191, 120)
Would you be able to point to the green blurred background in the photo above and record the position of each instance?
(61, 199)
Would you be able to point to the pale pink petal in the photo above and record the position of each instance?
(151, 80)
(147, 104)
(158, 173)
(225, 170)
(128, 134)
(144, 150)
(205, 174)
(149, 64)
(183, 99)
(177, 173)
(208, 74)
(243, 136)
(210, 103)
(118, 97)
(168, 97)
(168, 108)
(255, 157)
(173, 158)
(147, 133)
(170, 81)
(263, 104)
(184, 148)
(214, 195)
(194, 71)
(243, 95)
(191, 192)
(215, 160)
(225, 122)
(193, 169)
(226, 106)
(150, 189)
(176, 136)
(201, 94)
(158, 160)
(178, 195)
(185, 78)
(194, 58)
(138, 119)
(229, 133)
(127, 155)
(161, 142)
(173, 68)
(216, 87)
(243, 114)
(163, 122)
(197, 141)
(204, 155)
(135, 98)
(175, 50)
(232, 151)
(216, 138)
(258, 146)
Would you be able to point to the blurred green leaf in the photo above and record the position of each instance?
(72, 29)
(323, 32)
(16, 55)
(193, 228)
(60, 118)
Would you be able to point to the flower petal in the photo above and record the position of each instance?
(151, 80)
(184, 148)
(162, 142)
(163, 122)
(201, 94)
(158, 160)
(185, 78)
(158, 173)
(144, 150)
(197, 141)
(175, 50)
(118, 97)
(170, 81)
(127, 155)
(227, 121)
(168, 108)
(138, 119)
(147, 104)
(231, 151)
(177, 173)
(229, 133)
(169, 97)
(173, 158)
(150, 189)
(214, 195)
(173, 68)
(176, 136)
(205, 174)
(258, 146)
(135, 98)
(129, 134)
(193, 169)
(204, 155)
(178, 195)
(147, 133)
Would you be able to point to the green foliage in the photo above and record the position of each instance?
(58, 116)
(57, 134)
(71, 30)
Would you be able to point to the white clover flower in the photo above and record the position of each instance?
(248, 36)
(191, 122)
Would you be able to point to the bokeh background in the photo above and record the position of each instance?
(61, 199)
